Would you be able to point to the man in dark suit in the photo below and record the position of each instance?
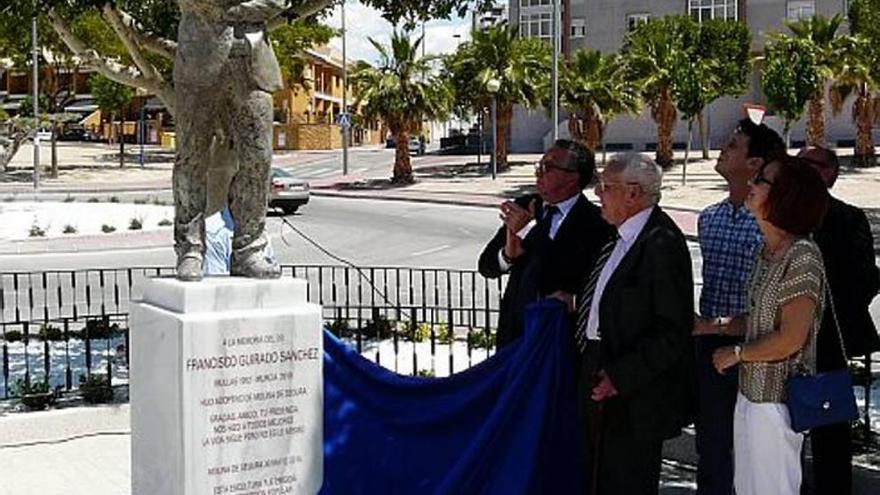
(548, 239)
(635, 314)
(848, 253)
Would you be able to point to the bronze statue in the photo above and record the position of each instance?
(224, 74)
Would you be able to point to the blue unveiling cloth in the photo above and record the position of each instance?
(506, 426)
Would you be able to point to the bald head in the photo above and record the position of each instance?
(824, 161)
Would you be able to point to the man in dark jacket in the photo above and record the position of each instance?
(548, 239)
(848, 253)
(635, 313)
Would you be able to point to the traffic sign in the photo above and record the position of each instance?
(343, 120)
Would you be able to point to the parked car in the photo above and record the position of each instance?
(76, 133)
(287, 192)
(417, 145)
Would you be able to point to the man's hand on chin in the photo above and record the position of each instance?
(604, 389)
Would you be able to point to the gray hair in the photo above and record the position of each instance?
(640, 169)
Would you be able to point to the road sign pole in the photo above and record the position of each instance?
(345, 127)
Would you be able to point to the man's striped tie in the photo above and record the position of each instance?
(585, 298)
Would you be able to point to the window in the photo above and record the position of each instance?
(702, 10)
(533, 3)
(538, 25)
(800, 9)
(578, 28)
(633, 20)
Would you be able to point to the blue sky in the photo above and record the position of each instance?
(363, 22)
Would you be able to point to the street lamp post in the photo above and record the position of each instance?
(493, 85)
(36, 100)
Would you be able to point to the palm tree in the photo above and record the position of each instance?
(518, 64)
(859, 74)
(820, 34)
(593, 89)
(402, 92)
(654, 54)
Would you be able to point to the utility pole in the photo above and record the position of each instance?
(36, 99)
(555, 101)
(346, 125)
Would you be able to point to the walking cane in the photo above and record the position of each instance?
(597, 439)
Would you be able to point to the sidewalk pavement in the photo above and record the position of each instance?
(86, 450)
(440, 179)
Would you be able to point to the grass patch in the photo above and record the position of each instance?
(69, 229)
(108, 229)
(164, 222)
(69, 199)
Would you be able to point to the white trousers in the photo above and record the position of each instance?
(766, 451)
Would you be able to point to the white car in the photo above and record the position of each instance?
(287, 192)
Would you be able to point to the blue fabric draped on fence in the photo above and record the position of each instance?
(507, 425)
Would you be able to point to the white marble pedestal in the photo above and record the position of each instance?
(226, 388)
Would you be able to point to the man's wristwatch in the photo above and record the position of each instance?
(737, 351)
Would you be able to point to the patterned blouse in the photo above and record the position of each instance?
(772, 285)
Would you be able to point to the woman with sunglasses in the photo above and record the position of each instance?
(784, 308)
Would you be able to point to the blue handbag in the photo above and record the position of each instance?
(824, 398)
(820, 400)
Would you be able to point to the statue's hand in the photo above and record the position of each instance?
(255, 11)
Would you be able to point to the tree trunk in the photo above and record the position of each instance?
(8, 149)
(704, 135)
(592, 131)
(786, 134)
(505, 115)
(53, 172)
(863, 115)
(816, 120)
(403, 173)
(687, 151)
(575, 128)
(664, 114)
(121, 136)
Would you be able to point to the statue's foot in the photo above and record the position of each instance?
(189, 268)
(254, 265)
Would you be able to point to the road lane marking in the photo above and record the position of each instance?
(430, 251)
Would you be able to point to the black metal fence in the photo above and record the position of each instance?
(62, 327)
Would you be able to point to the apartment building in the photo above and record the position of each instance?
(603, 24)
(305, 115)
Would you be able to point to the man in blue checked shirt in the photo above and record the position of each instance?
(729, 236)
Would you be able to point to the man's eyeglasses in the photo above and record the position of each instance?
(603, 186)
(544, 167)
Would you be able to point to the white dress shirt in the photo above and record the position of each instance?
(563, 206)
(629, 231)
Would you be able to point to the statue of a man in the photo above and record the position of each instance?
(224, 75)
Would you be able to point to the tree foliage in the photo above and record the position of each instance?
(656, 53)
(520, 65)
(290, 42)
(109, 95)
(401, 91)
(594, 88)
(789, 77)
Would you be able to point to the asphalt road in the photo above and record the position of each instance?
(364, 232)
